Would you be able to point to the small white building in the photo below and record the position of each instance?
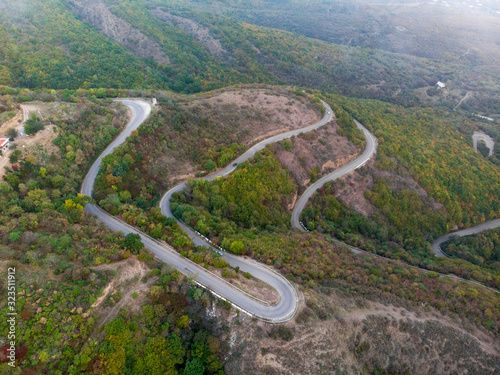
(440, 85)
(4, 144)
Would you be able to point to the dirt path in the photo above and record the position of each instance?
(27, 145)
(128, 281)
(424, 339)
(460, 102)
(11, 123)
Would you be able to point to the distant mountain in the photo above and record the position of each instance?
(201, 45)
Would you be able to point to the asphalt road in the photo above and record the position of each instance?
(288, 303)
(287, 306)
(436, 246)
(140, 112)
(480, 136)
(259, 146)
(371, 147)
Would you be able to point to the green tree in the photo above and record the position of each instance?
(14, 156)
(183, 321)
(133, 242)
(12, 133)
(33, 125)
(237, 247)
(194, 367)
(210, 165)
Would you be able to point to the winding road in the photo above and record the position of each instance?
(436, 246)
(287, 305)
(480, 136)
(140, 112)
(286, 308)
(370, 149)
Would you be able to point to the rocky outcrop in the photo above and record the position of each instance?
(199, 32)
(97, 14)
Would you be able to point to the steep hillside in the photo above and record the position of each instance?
(461, 34)
(96, 13)
(45, 45)
(123, 312)
(188, 136)
(338, 332)
(189, 47)
(481, 249)
(415, 190)
(84, 293)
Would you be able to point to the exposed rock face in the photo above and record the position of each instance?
(97, 14)
(199, 32)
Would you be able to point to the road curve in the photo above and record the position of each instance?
(480, 136)
(140, 112)
(287, 305)
(371, 147)
(436, 246)
(259, 146)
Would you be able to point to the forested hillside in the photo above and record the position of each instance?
(464, 36)
(226, 75)
(59, 44)
(417, 189)
(191, 135)
(308, 259)
(62, 259)
(425, 142)
(62, 255)
(45, 45)
(481, 249)
(249, 211)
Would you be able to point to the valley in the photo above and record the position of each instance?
(249, 187)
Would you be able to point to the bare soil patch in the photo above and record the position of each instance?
(353, 336)
(260, 113)
(253, 286)
(120, 291)
(40, 147)
(11, 123)
(322, 149)
(350, 191)
(252, 114)
(98, 14)
(350, 188)
(54, 111)
(198, 31)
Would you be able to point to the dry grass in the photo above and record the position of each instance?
(40, 146)
(265, 111)
(349, 335)
(253, 286)
(12, 123)
(254, 113)
(129, 280)
(322, 148)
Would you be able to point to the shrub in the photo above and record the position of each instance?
(210, 165)
(33, 125)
